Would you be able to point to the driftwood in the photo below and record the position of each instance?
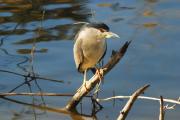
(124, 112)
(84, 90)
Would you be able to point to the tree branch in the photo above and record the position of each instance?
(37, 94)
(140, 97)
(84, 90)
(123, 114)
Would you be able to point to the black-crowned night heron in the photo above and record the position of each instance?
(90, 46)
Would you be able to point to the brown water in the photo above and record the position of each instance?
(152, 58)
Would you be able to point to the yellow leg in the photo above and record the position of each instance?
(99, 72)
(85, 78)
(84, 81)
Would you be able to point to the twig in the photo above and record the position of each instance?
(167, 107)
(84, 90)
(37, 94)
(140, 97)
(49, 79)
(123, 114)
(33, 100)
(6, 71)
(161, 109)
(35, 77)
(96, 106)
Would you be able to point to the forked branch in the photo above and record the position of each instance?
(123, 114)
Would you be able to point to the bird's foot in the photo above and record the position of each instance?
(85, 86)
(100, 73)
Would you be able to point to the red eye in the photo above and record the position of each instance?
(102, 30)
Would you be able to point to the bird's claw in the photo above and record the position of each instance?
(100, 73)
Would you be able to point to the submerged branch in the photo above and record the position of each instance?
(32, 76)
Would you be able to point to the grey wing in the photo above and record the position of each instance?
(78, 53)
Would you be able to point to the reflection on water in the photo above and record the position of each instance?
(47, 27)
(26, 17)
(28, 51)
(9, 60)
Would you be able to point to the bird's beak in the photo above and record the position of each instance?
(111, 35)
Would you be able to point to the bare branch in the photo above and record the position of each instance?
(123, 114)
(32, 76)
(167, 107)
(139, 97)
(84, 90)
(161, 109)
(37, 94)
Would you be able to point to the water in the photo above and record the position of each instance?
(152, 58)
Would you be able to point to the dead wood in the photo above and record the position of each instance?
(124, 112)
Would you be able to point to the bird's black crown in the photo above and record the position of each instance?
(99, 26)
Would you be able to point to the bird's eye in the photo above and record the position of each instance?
(102, 30)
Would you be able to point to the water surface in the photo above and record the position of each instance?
(152, 58)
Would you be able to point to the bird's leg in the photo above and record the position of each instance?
(85, 78)
(84, 81)
(100, 73)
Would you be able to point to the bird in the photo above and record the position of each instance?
(90, 46)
